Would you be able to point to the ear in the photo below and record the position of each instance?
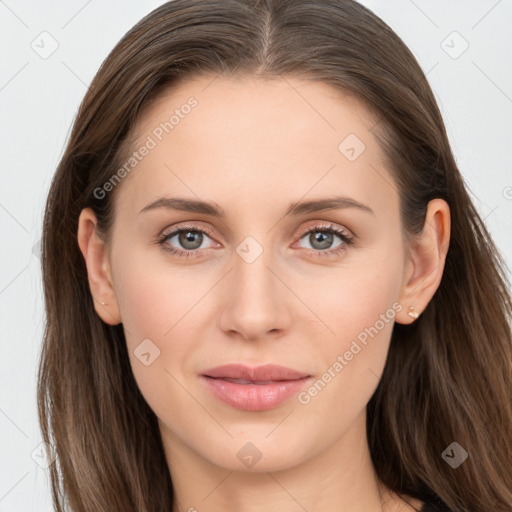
(95, 253)
(425, 266)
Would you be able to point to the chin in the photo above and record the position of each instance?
(257, 452)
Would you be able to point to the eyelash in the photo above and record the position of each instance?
(325, 228)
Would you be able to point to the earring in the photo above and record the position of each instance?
(413, 313)
(103, 304)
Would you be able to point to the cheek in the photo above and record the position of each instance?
(359, 307)
(157, 308)
(154, 296)
(351, 299)
(154, 302)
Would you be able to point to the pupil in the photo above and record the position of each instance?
(324, 239)
(190, 237)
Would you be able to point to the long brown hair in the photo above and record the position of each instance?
(448, 377)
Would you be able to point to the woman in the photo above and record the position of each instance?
(199, 356)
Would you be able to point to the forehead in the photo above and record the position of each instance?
(258, 104)
(250, 136)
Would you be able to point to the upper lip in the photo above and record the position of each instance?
(265, 372)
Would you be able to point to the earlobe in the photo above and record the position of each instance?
(95, 254)
(428, 252)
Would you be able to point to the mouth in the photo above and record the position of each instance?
(264, 373)
(244, 381)
(254, 389)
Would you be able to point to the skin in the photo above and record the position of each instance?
(253, 147)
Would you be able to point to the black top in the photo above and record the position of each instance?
(429, 507)
(433, 503)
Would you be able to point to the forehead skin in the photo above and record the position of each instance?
(254, 145)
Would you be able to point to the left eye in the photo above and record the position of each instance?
(322, 238)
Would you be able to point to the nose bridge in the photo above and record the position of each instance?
(254, 304)
(252, 277)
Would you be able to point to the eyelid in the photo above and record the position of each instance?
(325, 225)
(192, 226)
(302, 231)
(343, 233)
(171, 232)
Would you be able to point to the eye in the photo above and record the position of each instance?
(190, 238)
(321, 237)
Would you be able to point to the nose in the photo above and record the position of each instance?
(255, 300)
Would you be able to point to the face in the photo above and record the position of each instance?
(270, 281)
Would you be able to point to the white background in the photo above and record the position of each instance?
(39, 99)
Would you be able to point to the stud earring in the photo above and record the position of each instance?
(413, 313)
(103, 304)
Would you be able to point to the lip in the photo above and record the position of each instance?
(262, 373)
(254, 388)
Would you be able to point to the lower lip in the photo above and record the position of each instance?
(254, 397)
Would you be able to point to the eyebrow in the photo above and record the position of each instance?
(298, 208)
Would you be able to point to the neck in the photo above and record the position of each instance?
(341, 478)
